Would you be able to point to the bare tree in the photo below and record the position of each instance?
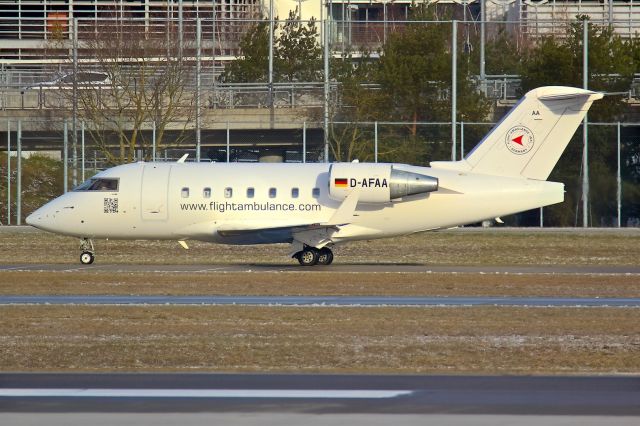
(148, 80)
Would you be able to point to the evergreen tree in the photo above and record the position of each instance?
(298, 53)
(414, 73)
(558, 61)
(253, 65)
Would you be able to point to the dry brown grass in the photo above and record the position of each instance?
(319, 283)
(402, 340)
(407, 340)
(475, 247)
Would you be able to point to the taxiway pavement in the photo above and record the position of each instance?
(335, 268)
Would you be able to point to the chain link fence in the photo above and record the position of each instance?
(613, 167)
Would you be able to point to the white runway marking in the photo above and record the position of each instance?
(201, 393)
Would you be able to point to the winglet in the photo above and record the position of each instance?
(183, 158)
(345, 212)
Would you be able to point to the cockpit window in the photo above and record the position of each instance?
(99, 184)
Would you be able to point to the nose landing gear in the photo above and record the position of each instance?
(86, 247)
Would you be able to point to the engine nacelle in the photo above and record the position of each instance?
(377, 183)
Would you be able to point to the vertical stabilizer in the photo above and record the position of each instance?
(530, 139)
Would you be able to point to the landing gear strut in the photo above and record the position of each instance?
(311, 256)
(86, 247)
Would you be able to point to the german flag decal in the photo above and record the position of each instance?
(340, 183)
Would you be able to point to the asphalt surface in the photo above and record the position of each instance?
(320, 301)
(371, 394)
(335, 268)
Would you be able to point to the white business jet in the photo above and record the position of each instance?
(317, 206)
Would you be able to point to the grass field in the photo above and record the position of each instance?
(318, 283)
(468, 246)
(409, 340)
(477, 340)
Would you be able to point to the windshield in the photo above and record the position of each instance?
(99, 184)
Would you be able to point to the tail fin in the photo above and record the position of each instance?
(529, 140)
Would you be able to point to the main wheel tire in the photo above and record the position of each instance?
(87, 258)
(308, 257)
(325, 257)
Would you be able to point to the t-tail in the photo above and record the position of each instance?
(530, 139)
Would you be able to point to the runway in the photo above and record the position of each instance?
(321, 301)
(320, 394)
(264, 399)
(335, 268)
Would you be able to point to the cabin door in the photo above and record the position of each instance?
(155, 184)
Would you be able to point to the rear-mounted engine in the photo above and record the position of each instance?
(377, 183)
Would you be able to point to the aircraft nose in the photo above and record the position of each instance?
(41, 218)
(35, 219)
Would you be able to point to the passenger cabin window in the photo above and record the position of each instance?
(316, 192)
(206, 193)
(99, 184)
(295, 192)
(272, 193)
(185, 192)
(228, 192)
(250, 192)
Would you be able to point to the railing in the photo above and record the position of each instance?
(552, 17)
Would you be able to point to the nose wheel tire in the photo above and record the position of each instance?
(325, 257)
(87, 258)
(308, 256)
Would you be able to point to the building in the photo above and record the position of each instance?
(28, 26)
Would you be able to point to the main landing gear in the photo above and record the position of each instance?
(311, 256)
(86, 247)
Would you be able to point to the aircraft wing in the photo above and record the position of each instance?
(312, 234)
(244, 227)
(316, 234)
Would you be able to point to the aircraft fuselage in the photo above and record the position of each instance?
(200, 201)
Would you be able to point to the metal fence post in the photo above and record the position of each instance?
(153, 141)
(454, 86)
(82, 147)
(619, 181)
(585, 126)
(228, 144)
(65, 157)
(483, 17)
(19, 175)
(198, 83)
(541, 217)
(326, 90)
(375, 141)
(270, 76)
(74, 160)
(180, 28)
(462, 140)
(74, 125)
(9, 172)
(304, 141)
(384, 30)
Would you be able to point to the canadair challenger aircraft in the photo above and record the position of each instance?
(316, 206)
